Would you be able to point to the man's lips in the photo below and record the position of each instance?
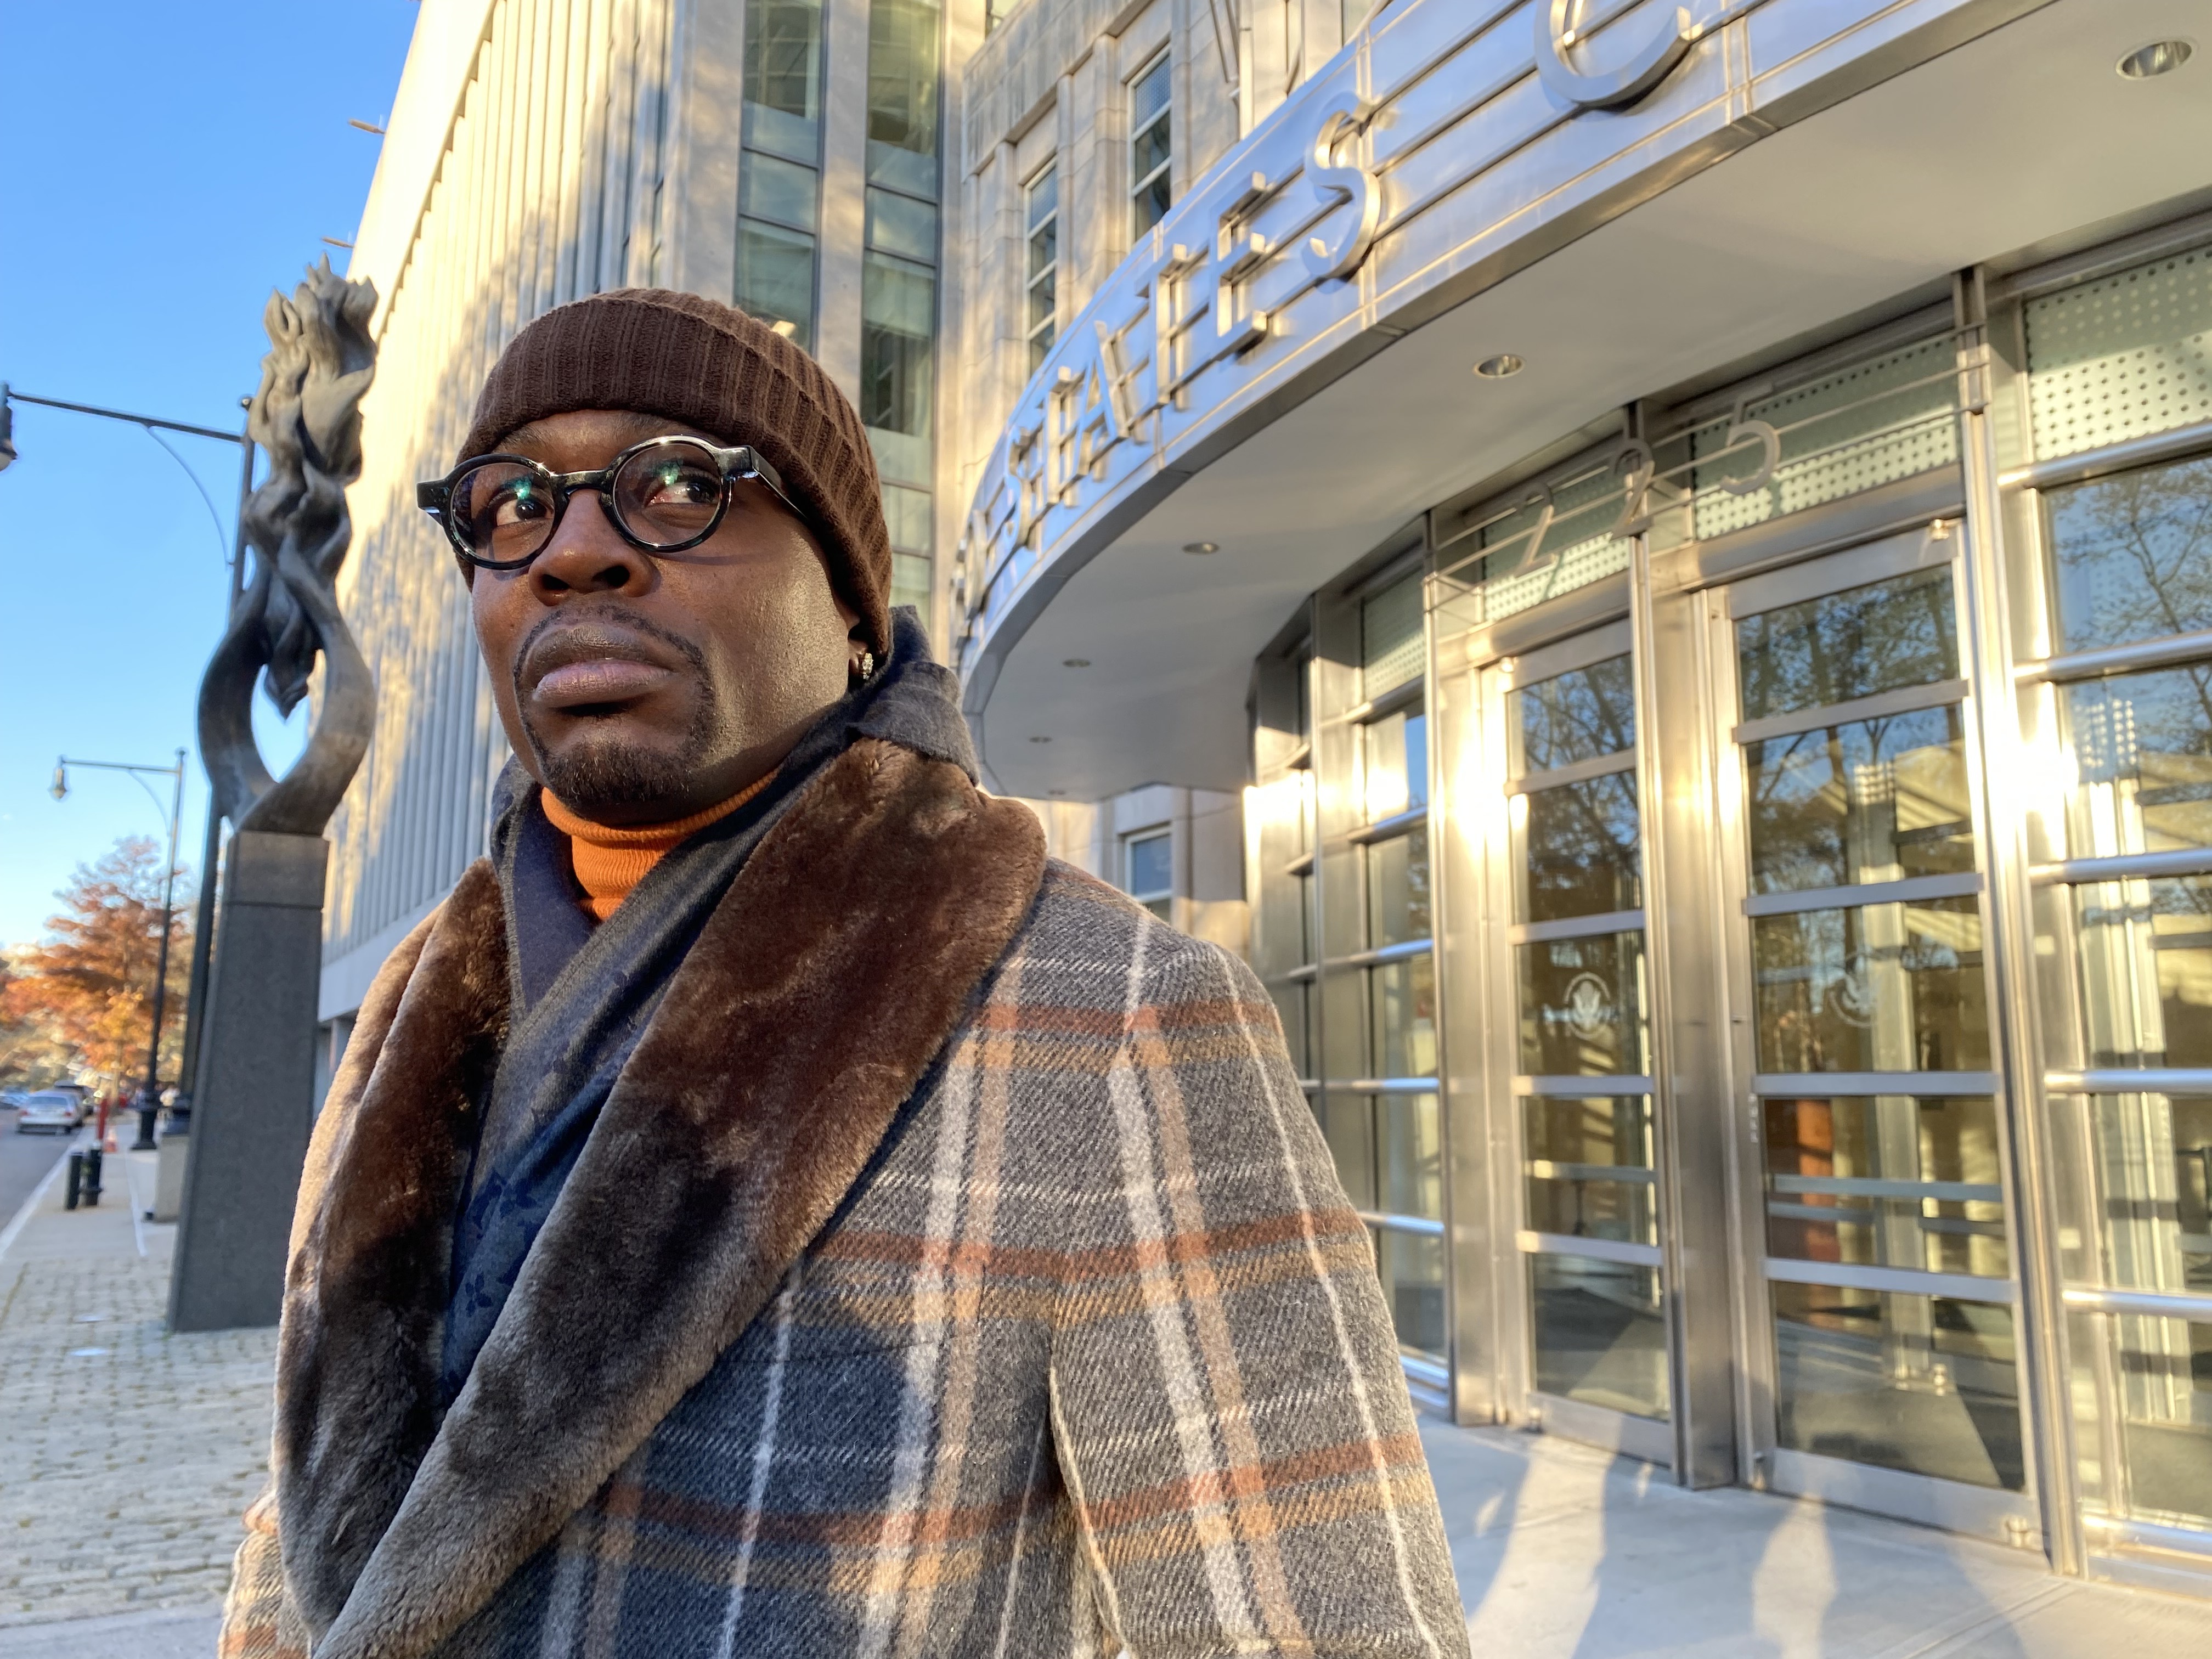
(583, 666)
(605, 679)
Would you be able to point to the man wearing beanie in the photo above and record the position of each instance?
(770, 1208)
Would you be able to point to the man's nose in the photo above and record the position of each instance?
(587, 555)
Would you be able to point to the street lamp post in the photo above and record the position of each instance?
(150, 1101)
(212, 851)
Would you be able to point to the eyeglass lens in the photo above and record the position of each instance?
(663, 496)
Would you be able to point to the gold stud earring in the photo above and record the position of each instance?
(866, 668)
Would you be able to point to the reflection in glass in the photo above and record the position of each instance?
(1589, 1167)
(903, 87)
(1412, 1265)
(1395, 758)
(2143, 757)
(1887, 1180)
(1869, 800)
(783, 76)
(1843, 646)
(1411, 1155)
(1882, 987)
(1391, 637)
(2146, 965)
(2154, 1157)
(1403, 997)
(769, 187)
(2165, 1386)
(1347, 1123)
(1928, 1385)
(1575, 716)
(898, 320)
(1292, 1002)
(1599, 1336)
(1582, 1007)
(1398, 888)
(1578, 847)
(2132, 555)
(775, 276)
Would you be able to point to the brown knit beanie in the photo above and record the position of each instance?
(711, 366)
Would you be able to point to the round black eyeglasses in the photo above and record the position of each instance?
(662, 495)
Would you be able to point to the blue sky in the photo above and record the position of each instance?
(166, 165)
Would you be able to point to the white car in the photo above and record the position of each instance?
(57, 1109)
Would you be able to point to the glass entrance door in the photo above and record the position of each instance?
(1570, 875)
(1884, 1335)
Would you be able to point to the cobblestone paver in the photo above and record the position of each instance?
(127, 1455)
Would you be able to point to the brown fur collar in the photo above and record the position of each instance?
(817, 994)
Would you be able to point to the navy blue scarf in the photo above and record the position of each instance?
(584, 994)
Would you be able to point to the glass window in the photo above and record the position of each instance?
(2154, 1168)
(1040, 215)
(1927, 1385)
(1398, 888)
(1292, 1004)
(1578, 847)
(1149, 145)
(1839, 647)
(1402, 996)
(1575, 716)
(1395, 758)
(898, 316)
(1412, 1265)
(2146, 966)
(1347, 1123)
(775, 277)
(783, 77)
(1600, 1337)
(2132, 555)
(1149, 863)
(1887, 1180)
(769, 187)
(2166, 1415)
(1881, 987)
(1864, 801)
(907, 516)
(1590, 1171)
(1391, 644)
(900, 225)
(1355, 14)
(1412, 1161)
(910, 578)
(903, 80)
(1583, 1006)
(2143, 758)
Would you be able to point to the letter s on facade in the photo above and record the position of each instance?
(1342, 116)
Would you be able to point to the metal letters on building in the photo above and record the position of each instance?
(1333, 216)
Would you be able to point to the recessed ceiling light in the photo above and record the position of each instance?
(2159, 57)
(1040, 740)
(1505, 364)
(1202, 547)
(1077, 662)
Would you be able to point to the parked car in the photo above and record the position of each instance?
(59, 1110)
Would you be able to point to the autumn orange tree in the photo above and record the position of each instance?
(87, 986)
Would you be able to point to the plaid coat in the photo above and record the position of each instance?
(1086, 1352)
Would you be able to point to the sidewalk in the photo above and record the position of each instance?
(126, 1458)
(1565, 1552)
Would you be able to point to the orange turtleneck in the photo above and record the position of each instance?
(609, 861)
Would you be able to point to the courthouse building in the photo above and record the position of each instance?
(1651, 564)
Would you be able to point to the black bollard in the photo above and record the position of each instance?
(75, 1181)
(92, 1175)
